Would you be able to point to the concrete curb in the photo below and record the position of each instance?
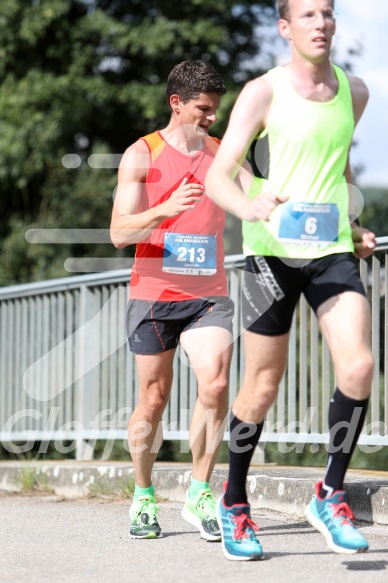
(282, 489)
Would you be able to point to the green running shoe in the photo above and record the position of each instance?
(201, 513)
(143, 516)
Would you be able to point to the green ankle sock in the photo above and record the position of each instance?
(150, 491)
(196, 486)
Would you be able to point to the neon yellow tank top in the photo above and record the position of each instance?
(308, 147)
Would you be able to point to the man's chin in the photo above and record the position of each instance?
(202, 132)
(196, 132)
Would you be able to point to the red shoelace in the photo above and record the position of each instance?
(343, 511)
(243, 522)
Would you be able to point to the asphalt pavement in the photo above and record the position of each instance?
(55, 539)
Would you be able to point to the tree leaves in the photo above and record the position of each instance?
(88, 76)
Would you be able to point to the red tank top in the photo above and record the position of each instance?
(168, 264)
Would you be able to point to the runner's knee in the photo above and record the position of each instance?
(153, 402)
(214, 394)
(359, 372)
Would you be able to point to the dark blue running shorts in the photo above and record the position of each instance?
(154, 327)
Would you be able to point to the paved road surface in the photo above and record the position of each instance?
(52, 540)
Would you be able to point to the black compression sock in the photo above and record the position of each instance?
(346, 419)
(243, 440)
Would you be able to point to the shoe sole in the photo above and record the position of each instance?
(150, 535)
(195, 521)
(322, 528)
(253, 557)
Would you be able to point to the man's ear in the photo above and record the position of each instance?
(284, 28)
(175, 103)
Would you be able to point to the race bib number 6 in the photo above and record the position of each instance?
(190, 254)
(307, 224)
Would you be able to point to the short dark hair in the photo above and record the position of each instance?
(284, 9)
(190, 78)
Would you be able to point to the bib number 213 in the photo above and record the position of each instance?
(190, 254)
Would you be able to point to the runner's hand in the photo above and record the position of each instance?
(261, 207)
(364, 241)
(184, 198)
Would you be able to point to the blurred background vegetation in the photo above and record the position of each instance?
(88, 77)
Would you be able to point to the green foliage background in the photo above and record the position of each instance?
(87, 77)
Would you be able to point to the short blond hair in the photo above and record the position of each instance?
(284, 9)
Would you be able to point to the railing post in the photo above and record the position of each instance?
(86, 389)
(375, 300)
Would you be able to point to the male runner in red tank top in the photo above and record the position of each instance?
(178, 288)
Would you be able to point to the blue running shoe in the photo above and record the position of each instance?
(334, 519)
(239, 542)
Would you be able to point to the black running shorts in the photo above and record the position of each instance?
(272, 286)
(154, 327)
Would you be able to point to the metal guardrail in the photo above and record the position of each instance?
(66, 373)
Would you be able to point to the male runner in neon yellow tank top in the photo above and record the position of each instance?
(305, 113)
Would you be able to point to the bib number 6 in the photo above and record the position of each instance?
(311, 226)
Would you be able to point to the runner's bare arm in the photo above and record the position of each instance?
(363, 239)
(360, 96)
(132, 221)
(247, 120)
(244, 177)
